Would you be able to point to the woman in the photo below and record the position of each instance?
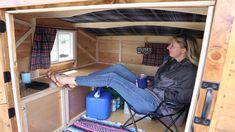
(173, 81)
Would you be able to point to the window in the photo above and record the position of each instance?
(63, 48)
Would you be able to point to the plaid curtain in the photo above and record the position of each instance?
(42, 45)
(157, 56)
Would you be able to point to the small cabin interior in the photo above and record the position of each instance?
(90, 38)
(95, 39)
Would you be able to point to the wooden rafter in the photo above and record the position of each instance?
(201, 11)
(102, 25)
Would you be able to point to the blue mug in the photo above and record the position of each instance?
(26, 77)
(142, 81)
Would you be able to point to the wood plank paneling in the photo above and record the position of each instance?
(108, 50)
(109, 46)
(218, 46)
(88, 43)
(23, 52)
(107, 57)
(114, 48)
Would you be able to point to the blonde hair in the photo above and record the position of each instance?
(190, 44)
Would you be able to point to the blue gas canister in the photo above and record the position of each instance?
(98, 104)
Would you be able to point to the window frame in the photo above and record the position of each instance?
(73, 46)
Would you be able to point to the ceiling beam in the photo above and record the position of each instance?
(102, 25)
(189, 4)
(199, 10)
(55, 14)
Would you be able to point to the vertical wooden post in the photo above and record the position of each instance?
(14, 70)
(6, 96)
(218, 44)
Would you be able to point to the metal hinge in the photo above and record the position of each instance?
(213, 85)
(2, 26)
(11, 112)
(7, 76)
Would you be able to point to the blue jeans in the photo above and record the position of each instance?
(123, 81)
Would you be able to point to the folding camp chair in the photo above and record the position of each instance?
(178, 111)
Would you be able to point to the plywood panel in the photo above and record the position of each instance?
(44, 114)
(218, 47)
(132, 58)
(77, 101)
(88, 42)
(20, 31)
(83, 58)
(108, 57)
(123, 48)
(23, 52)
(129, 47)
(109, 46)
(5, 124)
(141, 69)
(86, 48)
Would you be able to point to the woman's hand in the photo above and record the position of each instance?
(150, 84)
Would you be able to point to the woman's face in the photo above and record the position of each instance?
(175, 50)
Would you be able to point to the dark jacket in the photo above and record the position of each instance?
(174, 81)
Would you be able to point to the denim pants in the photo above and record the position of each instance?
(123, 81)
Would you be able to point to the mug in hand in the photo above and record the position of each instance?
(142, 81)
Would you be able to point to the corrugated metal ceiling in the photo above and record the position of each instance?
(138, 15)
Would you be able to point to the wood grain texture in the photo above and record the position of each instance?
(88, 43)
(6, 95)
(218, 47)
(49, 3)
(224, 108)
(57, 3)
(77, 101)
(44, 114)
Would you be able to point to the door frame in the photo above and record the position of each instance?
(11, 42)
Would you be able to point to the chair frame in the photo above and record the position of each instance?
(154, 116)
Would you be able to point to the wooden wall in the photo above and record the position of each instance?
(86, 45)
(23, 51)
(122, 49)
(86, 48)
(116, 49)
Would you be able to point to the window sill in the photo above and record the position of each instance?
(62, 63)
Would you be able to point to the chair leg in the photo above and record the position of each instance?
(133, 119)
(173, 122)
(167, 127)
(176, 128)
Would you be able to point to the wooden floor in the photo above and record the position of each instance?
(147, 125)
